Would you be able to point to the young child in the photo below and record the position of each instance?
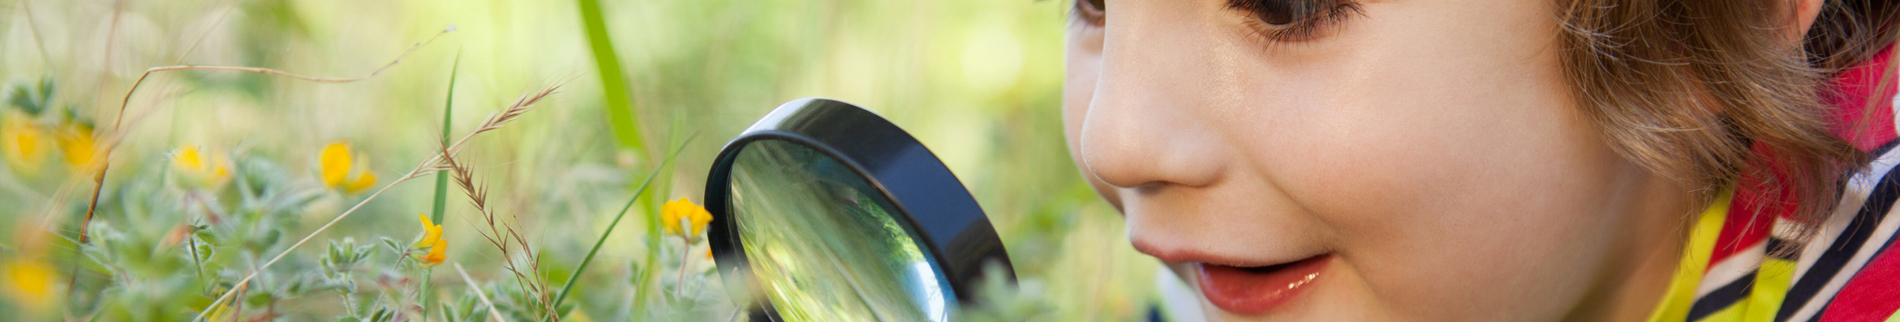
(1498, 160)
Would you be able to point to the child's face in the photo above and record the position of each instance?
(1424, 158)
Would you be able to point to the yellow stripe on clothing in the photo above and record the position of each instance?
(1771, 287)
(1695, 260)
(1735, 312)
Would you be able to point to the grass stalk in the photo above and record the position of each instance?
(531, 280)
(637, 192)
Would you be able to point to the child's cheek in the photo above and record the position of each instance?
(1492, 204)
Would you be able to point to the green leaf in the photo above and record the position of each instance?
(394, 246)
(448, 311)
(204, 252)
(270, 238)
(383, 314)
(20, 95)
(259, 299)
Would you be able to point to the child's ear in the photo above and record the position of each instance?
(1804, 13)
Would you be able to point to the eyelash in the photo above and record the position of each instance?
(1325, 15)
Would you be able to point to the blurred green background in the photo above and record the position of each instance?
(977, 81)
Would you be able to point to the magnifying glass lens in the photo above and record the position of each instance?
(823, 242)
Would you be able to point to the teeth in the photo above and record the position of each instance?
(1270, 268)
(1265, 269)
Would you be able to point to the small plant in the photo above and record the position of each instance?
(281, 187)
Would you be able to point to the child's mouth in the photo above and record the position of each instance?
(1255, 290)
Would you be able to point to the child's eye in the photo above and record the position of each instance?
(1092, 12)
(1294, 20)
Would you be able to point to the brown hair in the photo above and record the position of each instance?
(1704, 92)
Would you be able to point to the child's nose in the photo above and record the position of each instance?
(1137, 145)
(1147, 123)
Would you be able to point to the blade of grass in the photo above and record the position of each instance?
(448, 110)
(613, 83)
(441, 179)
(637, 192)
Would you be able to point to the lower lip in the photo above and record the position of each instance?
(1250, 291)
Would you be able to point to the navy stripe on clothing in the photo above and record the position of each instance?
(1722, 298)
(1844, 246)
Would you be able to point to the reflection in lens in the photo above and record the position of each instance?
(823, 243)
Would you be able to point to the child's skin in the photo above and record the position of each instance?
(1429, 152)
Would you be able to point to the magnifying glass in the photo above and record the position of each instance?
(831, 213)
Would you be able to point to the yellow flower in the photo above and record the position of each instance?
(337, 163)
(431, 232)
(200, 168)
(432, 238)
(23, 142)
(684, 212)
(30, 281)
(76, 142)
(436, 253)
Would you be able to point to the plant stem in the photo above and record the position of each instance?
(576, 277)
(197, 261)
(686, 253)
(424, 292)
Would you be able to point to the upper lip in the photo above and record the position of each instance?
(1172, 255)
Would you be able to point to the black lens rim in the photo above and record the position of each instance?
(928, 197)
